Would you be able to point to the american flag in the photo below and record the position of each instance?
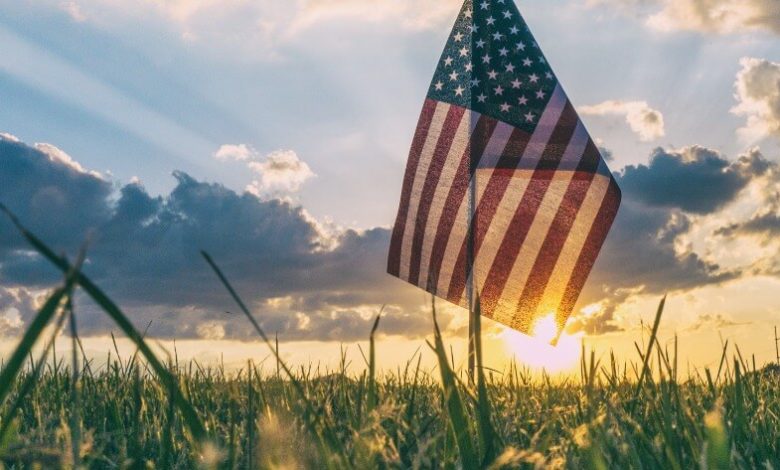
(506, 197)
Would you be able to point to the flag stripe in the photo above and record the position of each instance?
(437, 126)
(420, 136)
(451, 132)
(558, 233)
(496, 145)
(590, 250)
(565, 265)
(440, 195)
(524, 216)
(456, 266)
(536, 144)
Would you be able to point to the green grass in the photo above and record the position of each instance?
(148, 413)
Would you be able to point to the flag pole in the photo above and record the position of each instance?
(474, 328)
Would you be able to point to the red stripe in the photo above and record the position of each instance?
(439, 158)
(423, 126)
(486, 209)
(556, 237)
(523, 218)
(596, 237)
(479, 140)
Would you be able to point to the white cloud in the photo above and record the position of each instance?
(9, 137)
(73, 10)
(758, 98)
(717, 16)
(280, 172)
(645, 121)
(239, 152)
(58, 155)
(707, 16)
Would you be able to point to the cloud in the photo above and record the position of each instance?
(281, 171)
(758, 98)
(308, 283)
(714, 322)
(717, 16)
(706, 16)
(648, 251)
(693, 179)
(278, 173)
(144, 252)
(262, 27)
(240, 152)
(645, 121)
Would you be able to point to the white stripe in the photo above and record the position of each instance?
(496, 145)
(459, 146)
(575, 242)
(521, 270)
(514, 193)
(437, 122)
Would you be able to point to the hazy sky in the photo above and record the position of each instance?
(275, 134)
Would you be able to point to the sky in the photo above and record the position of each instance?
(275, 134)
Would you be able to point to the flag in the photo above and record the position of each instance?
(506, 197)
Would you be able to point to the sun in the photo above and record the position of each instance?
(537, 352)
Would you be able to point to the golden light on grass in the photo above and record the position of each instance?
(537, 352)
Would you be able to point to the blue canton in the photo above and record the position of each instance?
(493, 65)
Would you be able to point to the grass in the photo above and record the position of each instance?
(148, 413)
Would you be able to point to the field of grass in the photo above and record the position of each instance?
(148, 413)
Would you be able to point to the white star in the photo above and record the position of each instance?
(510, 68)
(497, 36)
(486, 59)
(481, 98)
(474, 83)
(527, 62)
(501, 1)
(520, 46)
(505, 107)
(459, 91)
(514, 30)
(492, 74)
(534, 78)
(491, 21)
(484, 5)
(469, 67)
(448, 61)
(468, 14)
(549, 75)
(458, 37)
(516, 83)
(473, 28)
(439, 85)
(523, 101)
(507, 14)
(480, 44)
(503, 52)
(542, 60)
(540, 94)
(464, 52)
(499, 91)
(454, 76)
(529, 117)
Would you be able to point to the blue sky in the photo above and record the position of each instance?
(328, 92)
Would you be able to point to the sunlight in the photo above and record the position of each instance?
(537, 353)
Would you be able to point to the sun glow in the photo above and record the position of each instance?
(537, 352)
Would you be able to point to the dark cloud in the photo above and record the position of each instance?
(694, 179)
(300, 281)
(660, 202)
(144, 251)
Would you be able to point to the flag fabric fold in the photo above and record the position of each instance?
(506, 197)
